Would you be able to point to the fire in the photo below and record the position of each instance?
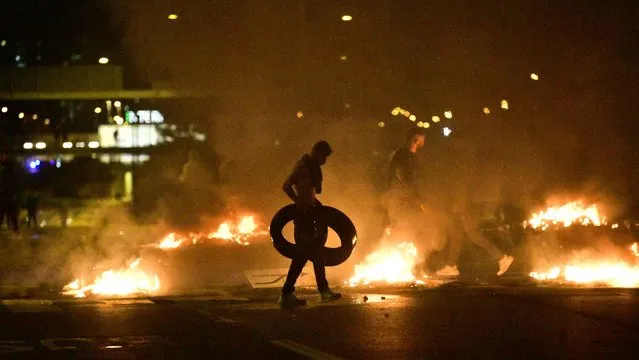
(170, 242)
(241, 233)
(128, 281)
(391, 264)
(246, 228)
(605, 272)
(566, 215)
(223, 232)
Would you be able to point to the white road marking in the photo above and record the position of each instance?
(304, 350)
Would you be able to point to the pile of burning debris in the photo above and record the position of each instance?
(137, 278)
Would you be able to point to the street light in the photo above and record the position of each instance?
(103, 60)
(448, 114)
(21, 115)
(435, 118)
(173, 16)
(40, 145)
(117, 104)
(534, 76)
(504, 104)
(5, 109)
(98, 110)
(347, 18)
(27, 145)
(486, 110)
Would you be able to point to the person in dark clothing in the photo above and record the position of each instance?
(32, 209)
(302, 186)
(403, 198)
(8, 194)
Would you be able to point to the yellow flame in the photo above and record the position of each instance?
(247, 225)
(128, 281)
(605, 272)
(170, 242)
(566, 215)
(392, 264)
(223, 232)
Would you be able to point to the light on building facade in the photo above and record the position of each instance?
(28, 146)
(40, 145)
(98, 110)
(172, 16)
(5, 109)
(448, 114)
(94, 144)
(67, 144)
(103, 60)
(347, 18)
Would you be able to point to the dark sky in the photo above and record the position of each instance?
(427, 56)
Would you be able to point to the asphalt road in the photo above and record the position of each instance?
(464, 322)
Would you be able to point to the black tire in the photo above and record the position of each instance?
(335, 219)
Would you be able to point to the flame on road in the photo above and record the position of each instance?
(127, 281)
(390, 264)
(240, 233)
(566, 215)
(170, 242)
(605, 272)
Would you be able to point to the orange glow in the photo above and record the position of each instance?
(608, 272)
(128, 281)
(170, 242)
(390, 265)
(566, 215)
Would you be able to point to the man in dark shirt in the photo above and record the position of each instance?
(302, 186)
(404, 198)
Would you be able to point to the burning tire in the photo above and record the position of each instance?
(335, 219)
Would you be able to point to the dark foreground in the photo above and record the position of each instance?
(445, 323)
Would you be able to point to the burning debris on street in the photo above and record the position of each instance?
(240, 232)
(134, 280)
(573, 213)
(587, 267)
(392, 264)
(131, 280)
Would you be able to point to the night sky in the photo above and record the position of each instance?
(278, 57)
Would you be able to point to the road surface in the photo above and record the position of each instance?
(452, 322)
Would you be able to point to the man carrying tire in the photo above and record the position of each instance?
(302, 186)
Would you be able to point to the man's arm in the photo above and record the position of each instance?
(299, 188)
(288, 188)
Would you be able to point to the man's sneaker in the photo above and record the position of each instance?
(448, 271)
(504, 264)
(290, 301)
(327, 295)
